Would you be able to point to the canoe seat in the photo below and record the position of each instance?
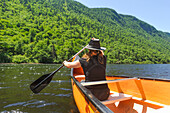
(116, 97)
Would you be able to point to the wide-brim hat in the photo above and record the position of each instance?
(95, 45)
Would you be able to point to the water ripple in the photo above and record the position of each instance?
(65, 89)
(57, 95)
(13, 111)
(34, 102)
(63, 95)
(14, 104)
(4, 87)
(60, 81)
(46, 104)
(31, 104)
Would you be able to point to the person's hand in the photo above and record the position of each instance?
(64, 62)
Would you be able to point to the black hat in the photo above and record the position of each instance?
(95, 45)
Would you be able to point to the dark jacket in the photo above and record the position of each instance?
(94, 71)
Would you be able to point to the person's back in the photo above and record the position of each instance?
(94, 67)
(95, 71)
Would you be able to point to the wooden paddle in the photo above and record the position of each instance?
(44, 80)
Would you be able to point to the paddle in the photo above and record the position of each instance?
(44, 80)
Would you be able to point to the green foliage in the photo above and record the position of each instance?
(19, 59)
(51, 31)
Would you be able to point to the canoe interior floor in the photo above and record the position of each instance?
(122, 103)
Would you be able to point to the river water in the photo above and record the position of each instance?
(16, 97)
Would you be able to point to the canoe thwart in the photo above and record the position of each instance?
(106, 81)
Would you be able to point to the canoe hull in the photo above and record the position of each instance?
(148, 95)
(82, 103)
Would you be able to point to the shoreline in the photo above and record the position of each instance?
(47, 63)
(27, 63)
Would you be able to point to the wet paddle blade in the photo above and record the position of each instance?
(40, 83)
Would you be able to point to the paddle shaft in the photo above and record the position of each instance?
(52, 74)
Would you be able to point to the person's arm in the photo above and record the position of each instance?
(75, 64)
(102, 52)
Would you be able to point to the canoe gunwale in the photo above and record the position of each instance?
(95, 102)
(145, 78)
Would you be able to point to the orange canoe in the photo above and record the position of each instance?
(127, 95)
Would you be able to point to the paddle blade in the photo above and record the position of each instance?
(41, 83)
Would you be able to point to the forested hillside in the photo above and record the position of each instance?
(51, 31)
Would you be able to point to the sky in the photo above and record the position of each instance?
(153, 12)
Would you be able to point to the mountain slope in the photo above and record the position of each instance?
(49, 31)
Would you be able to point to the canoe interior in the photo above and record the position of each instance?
(85, 101)
(142, 95)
